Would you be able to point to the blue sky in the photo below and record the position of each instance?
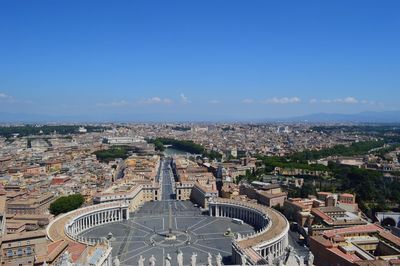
(199, 59)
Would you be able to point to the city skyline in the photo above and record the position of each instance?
(198, 61)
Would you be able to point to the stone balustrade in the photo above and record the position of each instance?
(271, 236)
(69, 225)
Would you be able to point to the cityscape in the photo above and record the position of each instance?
(199, 133)
(200, 194)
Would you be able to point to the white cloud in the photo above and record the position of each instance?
(184, 99)
(313, 100)
(214, 101)
(247, 101)
(156, 100)
(167, 101)
(4, 96)
(347, 100)
(283, 100)
(120, 103)
(368, 102)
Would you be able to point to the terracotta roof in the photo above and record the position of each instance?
(347, 195)
(53, 251)
(76, 249)
(272, 195)
(24, 235)
(369, 228)
(2, 204)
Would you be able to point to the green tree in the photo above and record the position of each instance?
(306, 190)
(112, 153)
(66, 203)
(159, 146)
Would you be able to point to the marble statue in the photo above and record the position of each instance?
(141, 261)
(179, 258)
(310, 260)
(209, 260)
(193, 259)
(243, 259)
(117, 262)
(168, 260)
(270, 258)
(218, 258)
(66, 258)
(152, 261)
(298, 260)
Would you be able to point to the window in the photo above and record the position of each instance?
(28, 250)
(19, 252)
(10, 253)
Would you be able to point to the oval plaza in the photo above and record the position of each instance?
(238, 232)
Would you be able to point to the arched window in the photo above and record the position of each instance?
(10, 253)
(19, 252)
(28, 250)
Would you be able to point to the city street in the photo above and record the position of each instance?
(167, 180)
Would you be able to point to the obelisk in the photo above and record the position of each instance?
(170, 235)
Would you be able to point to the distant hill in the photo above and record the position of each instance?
(363, 117)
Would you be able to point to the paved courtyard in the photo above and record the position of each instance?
(144, 234)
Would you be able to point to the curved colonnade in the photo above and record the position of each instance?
(267, 243)
(69, 225)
